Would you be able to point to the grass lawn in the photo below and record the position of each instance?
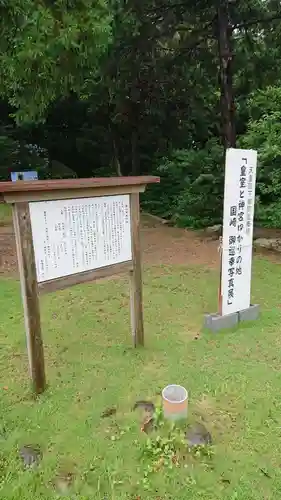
(5, 214)
(234, 379)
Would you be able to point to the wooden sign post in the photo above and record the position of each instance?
(74, 231)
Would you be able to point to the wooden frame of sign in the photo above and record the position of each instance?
(118, 199)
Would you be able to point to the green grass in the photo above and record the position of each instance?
(234, 380)
(5, 214)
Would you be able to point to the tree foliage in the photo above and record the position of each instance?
(48, 49)
(263, 134)
(158, 86)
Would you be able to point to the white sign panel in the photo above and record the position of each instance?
(72, 236)
(238, 216)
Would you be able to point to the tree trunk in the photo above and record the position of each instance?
(115, 159)
(115, 162)
(135, 152)
(226, 80)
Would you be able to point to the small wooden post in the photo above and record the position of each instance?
(27, 269)
(136, 274)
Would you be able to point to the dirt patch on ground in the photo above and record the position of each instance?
(160, 244)
(8, 257)
(170, 245)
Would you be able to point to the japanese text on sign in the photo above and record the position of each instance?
(72, 236)
(239, 199)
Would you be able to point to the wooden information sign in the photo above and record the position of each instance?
(73, 231)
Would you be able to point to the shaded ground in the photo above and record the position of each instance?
(162, 245)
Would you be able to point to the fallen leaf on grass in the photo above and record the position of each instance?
(148, 408)
(108, 412)
(3, 432)
(265, 473)
(147, 425)
(175, 460)
(145, 405)
(225, 480)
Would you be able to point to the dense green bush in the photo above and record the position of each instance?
(264, 135)
(191, 189)
(268, 216)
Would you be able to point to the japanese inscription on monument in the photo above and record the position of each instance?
(72, 236)
(239, 200)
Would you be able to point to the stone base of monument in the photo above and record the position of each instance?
(216, 322)
(250, 314)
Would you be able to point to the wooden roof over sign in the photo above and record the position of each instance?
(57, 184)
(21, 191)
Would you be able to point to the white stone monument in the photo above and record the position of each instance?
(237, 241)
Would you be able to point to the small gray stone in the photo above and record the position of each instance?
(198, 435)
(249, 314)
(216, 322)
(215, 230)
(273, 244)
(31, 455)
